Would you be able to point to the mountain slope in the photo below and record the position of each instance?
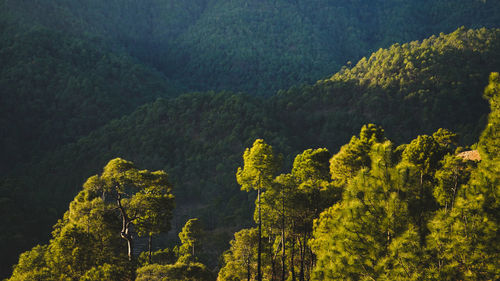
(411, 88)
(57, 88)
(199, 138)
(253, 46)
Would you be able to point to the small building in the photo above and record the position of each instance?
(472, 155)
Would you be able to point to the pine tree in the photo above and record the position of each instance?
(240, 259)
(260, 167)
(368, 234)
(190, 236)
(354, 156)
(465, 242)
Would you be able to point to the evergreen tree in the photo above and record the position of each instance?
(260, 166)
(133, 191)
(367, 235)
(175, 272)
(86, 241)
(465, 241)
(454, 172)
(354, 156)
(240, 260)
(190, 236)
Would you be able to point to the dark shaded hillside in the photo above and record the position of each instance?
(56, 88)
(198, 138)
(254, 46)
(195, 136)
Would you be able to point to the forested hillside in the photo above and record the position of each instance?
(417, 211)
(186, 86)
(87, 63)
(253, 46)
(57, 88)
(198, 138)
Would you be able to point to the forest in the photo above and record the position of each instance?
(425, 210)
(237, 139)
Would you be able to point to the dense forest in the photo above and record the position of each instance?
(186, 87)
(253, 46)
(373, 211)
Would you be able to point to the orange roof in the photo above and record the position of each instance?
(470, 155)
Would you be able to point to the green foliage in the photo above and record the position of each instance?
(190, 236)
(58, 88)
(174, 272)
(352, 239)
(354, 156)
(86, 242)
(487, 178)
(257, 47)
(70, 67)
(312, 191)
(384, 226)
(446, 139)
(198, 138)
(465, 241)
(453, 174)
(31, 265)
(85, 238)
(105, 272)
(240, 261)
(424, 153)
(162, 257)
(260, 166)
(312, 165)
(371, 234)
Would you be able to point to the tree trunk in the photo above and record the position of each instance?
(273, 263)
(454, 192)
(292, 260)
(125, 232)
(150, 246)
(302, 258)
(259, 273)
(249, 276)
(130, 245)
(283, 256)
(311, 264)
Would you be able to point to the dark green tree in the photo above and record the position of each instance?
(312, 194)
(175, 272)
(454, 172)
(190, 236)
(133, 192)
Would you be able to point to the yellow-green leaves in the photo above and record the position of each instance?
(260, 166)
(354, 156)
(190, 236)
(86, 242)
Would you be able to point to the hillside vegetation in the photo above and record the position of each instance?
(186, 86)
(253, 46)
(198, 138)
(417, 211)
(57, 88)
